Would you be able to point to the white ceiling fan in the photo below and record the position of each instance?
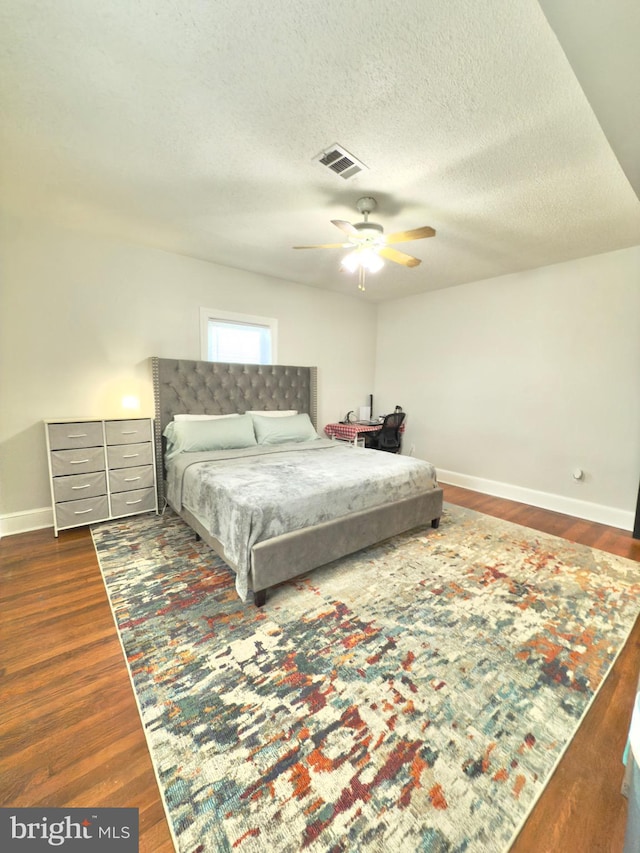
(369, 245)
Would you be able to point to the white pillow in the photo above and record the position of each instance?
(202, 417)
(273, 413)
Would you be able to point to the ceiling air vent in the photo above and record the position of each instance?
(340, 161)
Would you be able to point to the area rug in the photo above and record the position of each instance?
(415, 696)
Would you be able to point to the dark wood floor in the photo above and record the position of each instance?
(71, 734)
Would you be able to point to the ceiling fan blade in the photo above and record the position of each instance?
(347, 227)
(415, 234)
(398, 257)
(326, 246)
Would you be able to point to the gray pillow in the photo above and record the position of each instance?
(201, 435)
(271, 430)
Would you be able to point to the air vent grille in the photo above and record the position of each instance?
(340, 161)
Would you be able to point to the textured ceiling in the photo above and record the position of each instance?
(192, 127)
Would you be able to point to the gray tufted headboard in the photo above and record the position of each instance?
(217, 388)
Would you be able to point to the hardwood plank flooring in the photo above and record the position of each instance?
(71, 734)
(69, 726)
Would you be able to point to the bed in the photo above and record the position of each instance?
(274, 508)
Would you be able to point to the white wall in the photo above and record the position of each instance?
(509, 383)
(80, 316)
(512, 383)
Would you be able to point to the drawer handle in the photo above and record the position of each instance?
(82, 511)
(86, 486)
(130, 479)
(129, 432)
(77, 461)
(78, 435)
(130, 455)
(139, 501)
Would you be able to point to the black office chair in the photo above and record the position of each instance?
(388, 437)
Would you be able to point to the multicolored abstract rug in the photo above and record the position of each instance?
(415, 696)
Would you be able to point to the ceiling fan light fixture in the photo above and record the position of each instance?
(367, 259)
(371, 260)
(351, 262)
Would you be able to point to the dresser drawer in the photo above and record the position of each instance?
(125, 479)
(139, 500)
(74, 488)
(65, 436)
(73, 513)
(128, 432)
(77, 461)
(129, 455)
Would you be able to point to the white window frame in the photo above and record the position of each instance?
(207, 314)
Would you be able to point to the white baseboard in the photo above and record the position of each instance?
(545, 500)
(37, 519)
(23, 522)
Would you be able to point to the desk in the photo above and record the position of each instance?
(352, 432)
(349, 432)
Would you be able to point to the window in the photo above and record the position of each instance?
(237, 338)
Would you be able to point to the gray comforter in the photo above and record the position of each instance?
(246, 496)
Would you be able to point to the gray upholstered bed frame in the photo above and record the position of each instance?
(213, 388)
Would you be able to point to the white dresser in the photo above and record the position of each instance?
(100, 469)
